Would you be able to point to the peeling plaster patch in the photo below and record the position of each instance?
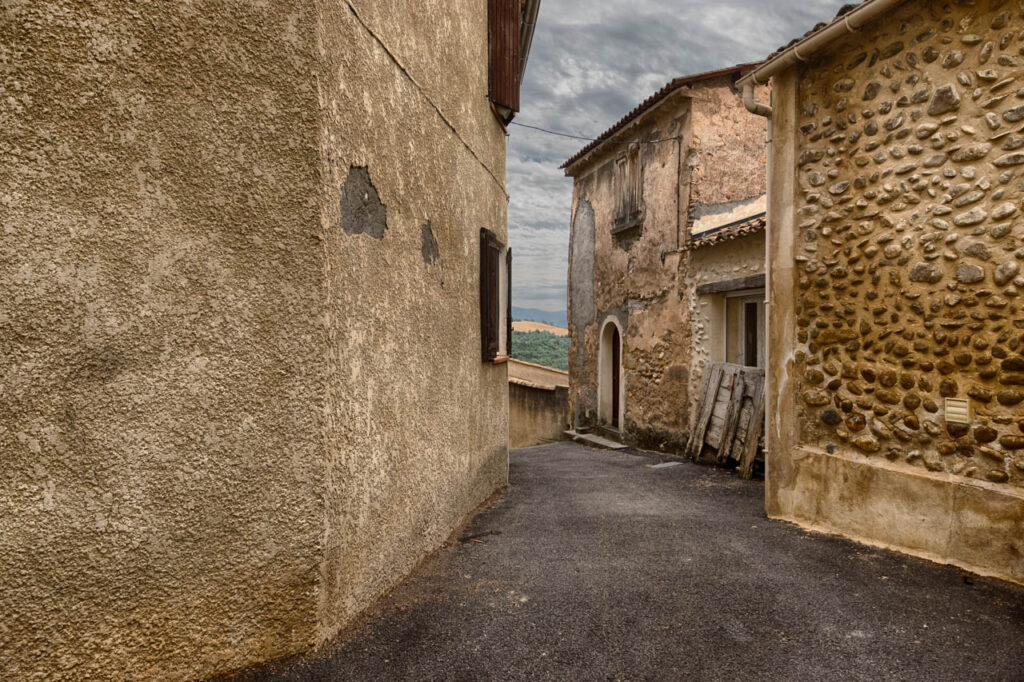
(431, 254)
(361, 209)
(582, 272)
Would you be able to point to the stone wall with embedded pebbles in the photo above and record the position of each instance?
(910, 186)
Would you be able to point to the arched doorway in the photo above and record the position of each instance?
(609, 375)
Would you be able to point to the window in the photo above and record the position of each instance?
(745, 329)
(628, 189)
(505, 22)
(495, 298)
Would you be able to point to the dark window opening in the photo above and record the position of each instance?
(750, 328)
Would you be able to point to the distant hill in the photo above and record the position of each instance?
(556, 318)
(525, 326)
(541, 348)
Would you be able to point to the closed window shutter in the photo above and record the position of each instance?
(505, 20)
(508, 303)
(635, 188)
(621, 210)
(490, 254)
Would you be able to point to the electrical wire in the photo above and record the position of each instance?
(592, 139)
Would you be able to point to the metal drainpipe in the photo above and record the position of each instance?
(755, 107)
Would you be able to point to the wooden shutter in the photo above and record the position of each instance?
(490, 254)
(621, 178)
(508, 303)
(633, 188)
(505, 21)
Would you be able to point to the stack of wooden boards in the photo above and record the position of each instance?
(730, 420)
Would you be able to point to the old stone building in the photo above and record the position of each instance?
(667, 242)
(232, 415)
(895, 244)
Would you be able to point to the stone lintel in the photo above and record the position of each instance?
(730, 285)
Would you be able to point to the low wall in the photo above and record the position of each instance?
(536, 415)
(976, 525)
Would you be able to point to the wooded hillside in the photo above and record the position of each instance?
(541, 348)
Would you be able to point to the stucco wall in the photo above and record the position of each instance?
(536, 415)
(896, 250)
(537, 404)
(233, 416)
(162, 339)
(726, 155)
(645, 278)
(417, 426)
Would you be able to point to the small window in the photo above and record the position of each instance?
(745, 330)
(495, 298)
(628, 189)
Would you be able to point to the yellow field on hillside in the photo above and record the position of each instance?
(523, 326)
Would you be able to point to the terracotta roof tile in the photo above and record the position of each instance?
(844, 10)
(741, 228)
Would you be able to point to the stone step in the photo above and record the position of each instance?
(595, 441)
(609, 432)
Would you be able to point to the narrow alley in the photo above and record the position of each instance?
(605, 565)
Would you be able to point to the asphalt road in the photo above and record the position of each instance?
(596, 566)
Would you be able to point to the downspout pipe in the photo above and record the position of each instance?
(531, 10)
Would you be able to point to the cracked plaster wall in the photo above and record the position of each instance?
(728, 158)
(633, 278)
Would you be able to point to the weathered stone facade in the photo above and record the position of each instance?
(232, 415)
(699, 152)
(910, 243)
(895, 244)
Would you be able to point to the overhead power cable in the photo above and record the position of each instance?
(592, 139)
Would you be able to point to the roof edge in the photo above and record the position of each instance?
(849, 21)
(531, 10)
(652, 101)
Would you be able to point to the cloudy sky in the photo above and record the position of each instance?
(591, 63)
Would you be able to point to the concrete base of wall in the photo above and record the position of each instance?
(975, 525)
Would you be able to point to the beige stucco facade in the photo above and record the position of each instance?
(232, 415)
(895, 243)
(701, 156)
(537, 401)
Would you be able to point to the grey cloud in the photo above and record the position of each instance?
(591, 63)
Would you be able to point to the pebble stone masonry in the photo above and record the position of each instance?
(911, 173)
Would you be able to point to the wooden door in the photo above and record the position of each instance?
(616, 367)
